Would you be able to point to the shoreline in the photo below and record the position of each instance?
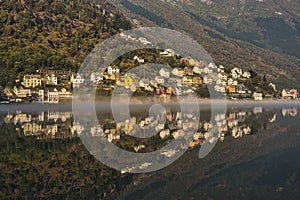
(105, 104)
(138, 100)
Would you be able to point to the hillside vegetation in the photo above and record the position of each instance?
(52, 34)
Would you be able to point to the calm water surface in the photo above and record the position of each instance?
(257, 155)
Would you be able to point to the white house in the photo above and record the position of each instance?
(219, 82)
(257, 96)
(164, 73)
(50, 80)
(139, 59)
(234, 75)
(178, 82)
(76, 81)
(63, 93)
(177, 91)
(232, 82)
(160, 80)
(212, 65)
(286, 94)
(207, 70)
(93, 77)
(223, 76)
(143, 83)
(219, 88)
(53, 96)
(168, 53)
(113, 70)
(96, 77)
(207, 80)
(273, 86)
(247, 75)
(148, 88)
(144, 41)
(41, 96)
(236, 72)
(221, 69)
(178, 72)
(197, 70)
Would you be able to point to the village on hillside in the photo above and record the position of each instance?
(191, 76)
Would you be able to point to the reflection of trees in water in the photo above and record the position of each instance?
(62, 166)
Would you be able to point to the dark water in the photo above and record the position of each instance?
(257, 155)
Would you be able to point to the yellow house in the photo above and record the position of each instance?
(31, 129)
(114, 77)
(128, 127)
(119, 83)
(169, 90)
(8, 92)
(21, 93)
(128, 81)
(197, 80)
(187, 80)
(32, 81)
(192, 62)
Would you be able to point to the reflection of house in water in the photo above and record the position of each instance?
(76, 128)
(97, 131)
(188, 125)
(164, 133)
(240, 131)
(159, 126)
(63, 116)
(273, 119)
(139, 148)
(207, 125)
(8, 118)
(127, 126)
(241, 116)
(232, 115)
(293, 112)
(55, 125)
(48, 96)
(41, 125)
(145, 122)
(51, 130)
(178, 134)
(257, 110)
(31, 129)
(22, 118)
(112, 137)
(41, 117)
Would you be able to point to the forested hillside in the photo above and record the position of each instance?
(55, 34)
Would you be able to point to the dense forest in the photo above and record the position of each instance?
(55, 34)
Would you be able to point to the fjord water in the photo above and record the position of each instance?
(256, 157)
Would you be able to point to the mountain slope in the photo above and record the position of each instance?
(259, 35)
